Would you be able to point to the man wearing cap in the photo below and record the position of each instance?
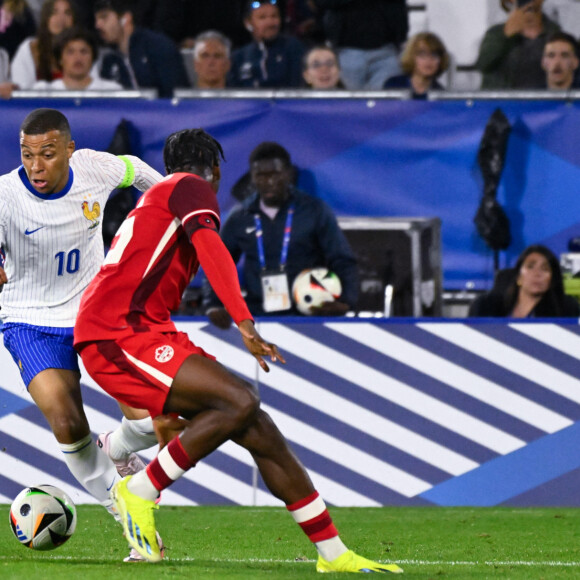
(271, 60)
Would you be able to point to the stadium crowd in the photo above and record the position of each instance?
(217, 44)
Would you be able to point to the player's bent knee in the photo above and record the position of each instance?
(247, 405)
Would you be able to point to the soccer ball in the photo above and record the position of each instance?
(43, 517)
(314, 286)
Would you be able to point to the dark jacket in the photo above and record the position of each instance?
(155, 60)
(364, 24)
(274, 64)
(492, 304)
(316, 240)
(404, 82)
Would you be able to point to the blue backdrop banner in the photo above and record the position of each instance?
(370, 158)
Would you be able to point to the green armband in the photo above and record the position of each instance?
(129, 176)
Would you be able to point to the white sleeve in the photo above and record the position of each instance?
(144, 175)
(23, 69)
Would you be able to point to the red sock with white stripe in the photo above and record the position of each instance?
(169, 465)
(312, 516)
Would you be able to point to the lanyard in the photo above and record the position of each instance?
(285, 241)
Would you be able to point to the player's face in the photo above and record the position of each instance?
(211, 62)
(265, 22)
(46, 160)
(271, 178)
(108, 24)
(76, 59)
(61, 17)
(535, 275)
(322, 70)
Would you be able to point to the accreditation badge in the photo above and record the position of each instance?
(276, 291)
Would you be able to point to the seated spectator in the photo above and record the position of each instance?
(6, 85)
(510, 54)
(211, 60)
(298, 232)
(271, 60)
(321, 69)
(16, 24)
(423, 60)
(76, 51)
(367, 34)
(560, 61)
(533, 289)
(141, 58)
(34, 60)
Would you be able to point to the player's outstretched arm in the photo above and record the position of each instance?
(258, 346)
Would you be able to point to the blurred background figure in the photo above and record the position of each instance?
(16, 24)
(510, 54)
(321, 69)
(367, 35)
(184, 20)
(532, 289)
(34, 60)
(76, 51)
(280, 231)
(272, 59)
(423, 60)
(211, 60)
(560, 61)
(139, 58)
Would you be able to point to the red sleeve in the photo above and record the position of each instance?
(194, 202)
(221, 272)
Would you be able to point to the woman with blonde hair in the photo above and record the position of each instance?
(34, 60)
(423, 60)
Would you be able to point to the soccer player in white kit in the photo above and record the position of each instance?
(51, 211)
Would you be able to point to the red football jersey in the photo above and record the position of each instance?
(151, 261)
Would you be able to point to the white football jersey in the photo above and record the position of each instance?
(54, 244)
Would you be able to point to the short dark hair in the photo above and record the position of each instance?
(42, 121)
(118, 6)
(270, 150)
(251, 5)
(191, 149)
(75, 33)
(561, 36)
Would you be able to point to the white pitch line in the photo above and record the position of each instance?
(450, 563)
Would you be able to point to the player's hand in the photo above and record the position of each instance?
(219, 317)
(166, 427)
(258, 346)
(3, 277)
(331, 308)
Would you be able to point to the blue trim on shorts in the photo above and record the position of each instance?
(37, 348)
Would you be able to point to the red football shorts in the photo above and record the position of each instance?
(138, 370)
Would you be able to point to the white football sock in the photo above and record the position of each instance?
(141, 485)
(132, 435)
(92, 468)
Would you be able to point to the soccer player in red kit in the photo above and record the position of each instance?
(132, 349)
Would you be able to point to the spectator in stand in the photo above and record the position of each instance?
(6, 86)
(272, 59)
(423, 60)
(141, 58)
(297, 232)
(76, 51)
(16, 24)
(560, 61)
(368, 35)
(532, 289)
(510, 55)
(321, 69)
(34, 60)
(183, 20)
(211, 60)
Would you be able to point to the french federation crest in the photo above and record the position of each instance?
(92, 214)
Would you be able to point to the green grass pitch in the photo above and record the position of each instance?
(253, 543)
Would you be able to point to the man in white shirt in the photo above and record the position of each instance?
(50, 234)
(76, 52)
